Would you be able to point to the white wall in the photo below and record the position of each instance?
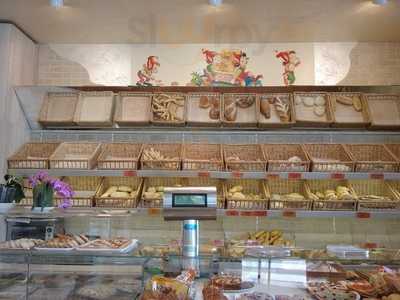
(18, 61)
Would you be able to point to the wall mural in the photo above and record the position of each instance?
(266, 64)
(290, 62)
(146, 75)
(225, 68)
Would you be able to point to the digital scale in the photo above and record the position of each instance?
(190, 205)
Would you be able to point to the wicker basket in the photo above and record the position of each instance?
(395, 185)
(374, 187)
(85, 189)
(181, 112)
(200, 182)
(246, 117)
(132, 109)
(284, 187)
(197, 116)
(159, 182)
(202, 157)
(329, 158)
(248, 158)
(119, 156)
(135, 183)
(345, 116)
(173, 152)
(278, 156)
(274, 121)
(372, 158)
(305, 116)
(384, 111)
(95, 109)
(250, 186)
(313, 186)
(395, 150)
(75, 156)
(32, 156)
(58, 109)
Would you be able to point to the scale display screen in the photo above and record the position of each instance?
(189, 200)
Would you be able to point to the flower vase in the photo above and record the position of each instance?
(43, 197)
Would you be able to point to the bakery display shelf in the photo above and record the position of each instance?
(210, 174)
(156, 212)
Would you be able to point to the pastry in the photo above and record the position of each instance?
(226, 282)
(165, 107)
(344, 100)
(308, 101)
(319, 111)
(245, 102)
(265, 108)
(21, 244)
(319, 101)
(214, 113)
(357, 103)
(204, 102)
(230, 111)
(282, 109)
(213, 292)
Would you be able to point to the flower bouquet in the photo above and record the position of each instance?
(44, 188)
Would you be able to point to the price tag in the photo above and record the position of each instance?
(272, 176)
(289, 214)
(204, 174)
(255, 213)
(337, 176)
(154, 211)
(376, 176)
(363, 215)
(294, 176)
(237, 174)
(129, 173)
(232, 213)
(219, 243)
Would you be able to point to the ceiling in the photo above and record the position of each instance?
(194, 21)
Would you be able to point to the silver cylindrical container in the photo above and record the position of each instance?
(190, 239)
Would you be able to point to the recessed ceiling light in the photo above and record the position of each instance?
(57, 3)
(380, 2)
(215, 2)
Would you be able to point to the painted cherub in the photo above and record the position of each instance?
(289, 61)
(146, 74)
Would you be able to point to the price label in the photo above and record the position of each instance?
(376, 176)
(129, 173)
(154, 211)
(289, 214)
(204, 174)
(272, 176)
(255, 213)
(219, 243)
(363, 215)
(294, 176)
(337, 176)
(237, 174)
(232, 213)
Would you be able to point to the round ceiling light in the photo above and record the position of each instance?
(380, 2)
(57, 3)
(215, 2)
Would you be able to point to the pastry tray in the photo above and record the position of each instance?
(132, 245)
